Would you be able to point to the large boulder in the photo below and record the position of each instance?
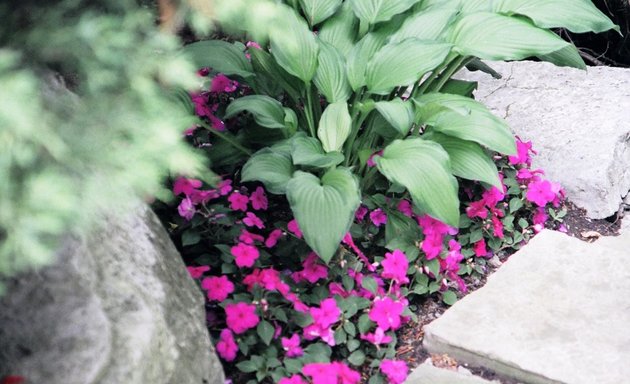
(579, 121)
(117, 307)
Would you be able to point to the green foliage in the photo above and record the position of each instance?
(349, 83)
(109, 137)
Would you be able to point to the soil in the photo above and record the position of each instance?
(410, 348)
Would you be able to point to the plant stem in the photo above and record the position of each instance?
(308, 110)
(226, 138)
(445, 76)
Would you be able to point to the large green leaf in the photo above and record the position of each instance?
(444, 113)
(317, 11)
(497, 37)
(334, 126)
(265, 66)
(294, 46)
(360, 55)
(268, 112)
(269, 167)
(324, 209)
(340, 31)
(331, 78)
(219, 55)
(426, 25)
(577, 16)
(468, 159)
(566, 57)
(403, 63)
(374, 11)
(398, 113)
(423, 168)
(308, 151)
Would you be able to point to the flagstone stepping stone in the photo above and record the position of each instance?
(557, 312)
(426, 373)
(578, 121)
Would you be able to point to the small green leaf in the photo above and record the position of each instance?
(293, 365)
(350, 328)
(449, 297)
(515, 204)
(265, 331)
(370, 284)
(353, 344)
(357, 358)
(190, 237)
(308, 151)
(267, 112)
(459, 87)
(364, 324)
(219, 55)
(434, 266)
(317, 11)
(249, 366)
(398, 113)
(375, 11)
(331, 78)
(271, 168)
(334, 126)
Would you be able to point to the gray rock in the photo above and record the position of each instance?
(116, 307)
(556, 312)
(578, 121)
(426, 373)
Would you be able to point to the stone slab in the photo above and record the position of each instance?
(426, 373)
(578, 121)
(556, 312)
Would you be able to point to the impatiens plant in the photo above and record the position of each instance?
(348, 99)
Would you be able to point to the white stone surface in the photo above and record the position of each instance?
(556, 312)
(579, 122)
(426, 373)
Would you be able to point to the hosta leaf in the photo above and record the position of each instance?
(398, 113)
(219, 55)
(423, 168)
(294, 47)
(426, 25)
(308, 151)
(459, 87)
(271, 168)
(324, 209)
(479, 125)
(267, 112)
(360, 55)
(577, 16)
(340, 31)
(468, 159)
(566, 57)
(403, 63)
(496, 37)
(334, 126)
(265, 65)
(374, 11)
(331, 78)
(317, 11)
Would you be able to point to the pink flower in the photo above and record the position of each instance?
(404, 206)
(314, 331)
(259, 199)
(238, 202)
(453, 257)
(251, 220)
(540, 217)
(241, 317)
(294, 228)
(200, 101)
(360, 213)
(312, 271)
(295, 379)
(185, 186)
(540, 193)
(492, 196)
(218, 287)
(345, 374)
(203, 72)
(370, 161)
(244, 255)
(377, 338)
(292, 346)
(321, 373)
(386, 313)
(480, 248)
(327, 314)
(523, 148)
(227, 347)
(497, 227)
(378, 217)
(197, 272)
(220, 84)
(253, 44)
(395, 266)
(217, 123)
(203, 196)
(396, 371)
(273, 238)
(347, 239)
(249, 238)
(186, 209)
(224, 187)
(432, 245)
(477, 209)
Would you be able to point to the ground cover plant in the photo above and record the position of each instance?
(356, 175)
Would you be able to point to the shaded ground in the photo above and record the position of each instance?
(411, 335)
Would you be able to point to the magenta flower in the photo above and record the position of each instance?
(432, 245)
(291, 345)
(378, 217)
(218, 287)
(540, 193)
(238, 202)
(220, 84)
(244, 255)
(404, 206)
(295, 379)
(395, 266)
(197, 272)
(321, 373)
(251, 220)
(312, 271)
(477, 209)
(249, 238)
(480, 248)
(346, 375)
(241, 317)
(258, 199)
(453, 257)
(294, 228)
(523, 148)
(377, 338)
(185, 186)
(202, 72)
(386, 313)
(315, 330)
(253, 44)
(224, 187)
(273, 238)
(360, 213)
(396, 371)
(227, 347)
(186, 209)
(327, 314)
(371, 162)
(497, 227)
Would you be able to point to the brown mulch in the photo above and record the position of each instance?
(410, 337)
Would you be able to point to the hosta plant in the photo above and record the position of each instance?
(338, 85)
